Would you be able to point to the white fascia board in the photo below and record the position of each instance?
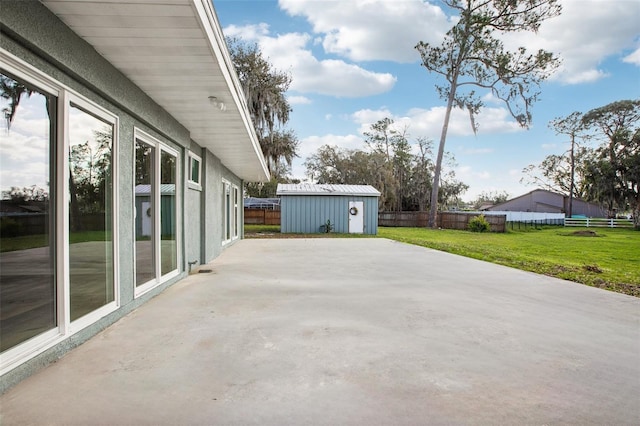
(211, 26)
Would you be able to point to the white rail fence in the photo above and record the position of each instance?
(559, 219)
(598, 223)
(530, 217)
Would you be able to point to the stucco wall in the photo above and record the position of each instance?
(193, 213)
(32, 33)
(213, 208)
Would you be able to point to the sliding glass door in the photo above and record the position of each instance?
(57, 211)
(27, 206)
(91, 283)
(168, 185)
(145, 212)
(156, 221)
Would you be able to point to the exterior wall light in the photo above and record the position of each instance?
(217, 103)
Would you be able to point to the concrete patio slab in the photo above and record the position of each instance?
(351, 332)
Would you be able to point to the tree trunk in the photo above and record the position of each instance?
(433, 209)
(573, 172)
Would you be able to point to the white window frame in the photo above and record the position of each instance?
(65, 328)
(88, 106)
(191, 183)
(237, 212)
(226, 218)
(229, 216)
(159, 147)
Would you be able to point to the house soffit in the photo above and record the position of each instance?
(174, 50)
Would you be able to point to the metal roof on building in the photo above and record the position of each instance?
(165, 188)
(326, 189)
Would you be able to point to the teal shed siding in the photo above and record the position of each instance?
(307, 213)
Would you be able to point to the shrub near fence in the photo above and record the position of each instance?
(457, 220)
(261, 217)
(445, 220)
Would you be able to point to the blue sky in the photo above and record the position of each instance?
(353, 62)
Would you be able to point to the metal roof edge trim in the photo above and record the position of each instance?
(335, 194)
(213, 31)
(299, 191)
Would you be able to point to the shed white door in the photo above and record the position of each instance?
(146, 218)
(356, 217)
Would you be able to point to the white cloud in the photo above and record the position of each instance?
(24, 149)
(428, 122)
(584, 35)
(365, 30)
(298, 100)
(480, 181)
(633, 58)
(24, 158)
(310, 145)
(366, 117)
(469, 174)
(247, 32)
(28, 174)
(476, 151)
(291, 52)
(82, 127)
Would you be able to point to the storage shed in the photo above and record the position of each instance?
(306, 208)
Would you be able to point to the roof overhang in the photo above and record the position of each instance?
(174, 50)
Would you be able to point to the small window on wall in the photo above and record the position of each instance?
(195, 171)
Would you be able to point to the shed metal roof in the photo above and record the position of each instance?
(174, 50)
(165, 188)
(326, 189)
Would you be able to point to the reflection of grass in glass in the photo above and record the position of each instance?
(143, 238)
(23, 242)
(83, 237)
(33, 241)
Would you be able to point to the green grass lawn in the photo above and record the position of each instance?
(261, 229)
(609, 260)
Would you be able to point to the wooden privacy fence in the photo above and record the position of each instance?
(404, 219)
(445, 220)
(261, 217)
